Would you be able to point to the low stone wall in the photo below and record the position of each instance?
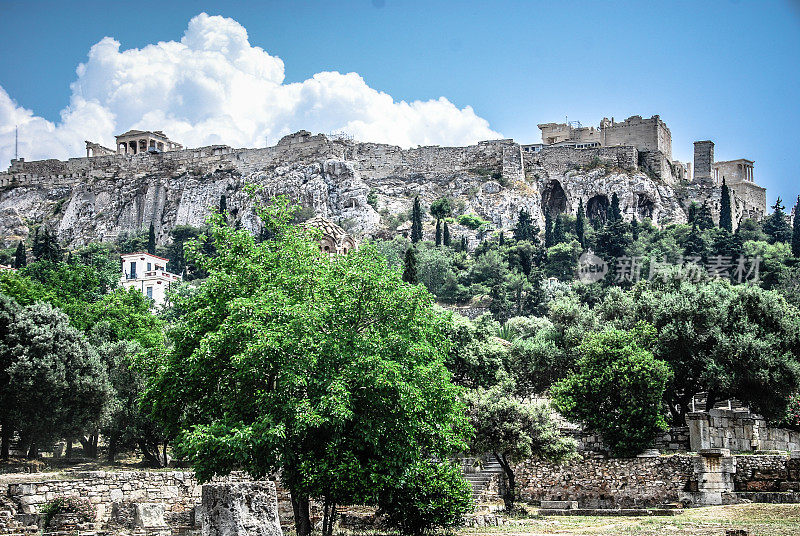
(649, 482)
(767, 473)
(674, 440)
(606, 482)
(739, 430)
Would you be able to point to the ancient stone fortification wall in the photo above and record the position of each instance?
(646, 134)
(749, 201)
(738, 430)
(99, 198)
(566, 158)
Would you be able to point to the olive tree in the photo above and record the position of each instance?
(513, 431)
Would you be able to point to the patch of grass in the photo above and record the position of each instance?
(757, 519)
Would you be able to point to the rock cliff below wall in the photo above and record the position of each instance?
(88, 199)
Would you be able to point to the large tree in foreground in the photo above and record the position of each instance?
(329, 369)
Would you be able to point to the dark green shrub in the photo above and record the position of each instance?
(430, 495)
(617, 389)
(470, 221)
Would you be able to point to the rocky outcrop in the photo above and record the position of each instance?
(366, 188)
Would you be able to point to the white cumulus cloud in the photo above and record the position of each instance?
(213, 86)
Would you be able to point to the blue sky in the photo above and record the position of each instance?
(725, 71)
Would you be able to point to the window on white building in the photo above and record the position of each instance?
(150, 292)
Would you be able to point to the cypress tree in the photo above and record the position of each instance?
(446, 235)
(464, 244)
(725, 215)
(796, 229)
(776, 226)
(223, 204)
(691, 213)
(525, 229)
(580, 224)
(410, 267)
(501, 240)
(416, 221)
(548, 229)
(614, 212)
(438, 232)
(695, 245)
(45, 246)
(151, 239)
(634, 228)
(20, 256)
(703, 218)
(559, 232)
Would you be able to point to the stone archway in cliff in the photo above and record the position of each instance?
(644, 206)
(597, 208)
(554, 200)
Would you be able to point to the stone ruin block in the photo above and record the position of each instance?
(240, 509)
(149, 515)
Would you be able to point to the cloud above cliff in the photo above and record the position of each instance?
(213, 86)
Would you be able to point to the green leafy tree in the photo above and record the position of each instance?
(476, 357)
(513, 431)
(725, 214)
(617, 390)
(562, 260)
(410, 267)
(151, 239)
(416, 221)
(181, 235)
(691, 212)
(20, 257)
(441, 208)
(776, 225)
(613, 239)
(695, 244)
(580, 224)
(796, 229)
(327, 369)
(729, 341)
(9, 310)
(428, 495)
(52, 366)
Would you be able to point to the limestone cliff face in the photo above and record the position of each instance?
(87, 199)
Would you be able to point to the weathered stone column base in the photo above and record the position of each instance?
(242, 509)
